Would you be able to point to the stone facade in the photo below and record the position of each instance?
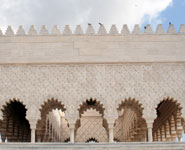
(117, 72)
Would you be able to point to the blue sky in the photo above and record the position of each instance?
(174, 13)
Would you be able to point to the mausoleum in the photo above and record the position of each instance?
(106, 89)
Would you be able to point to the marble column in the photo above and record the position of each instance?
(111, 135)
(168, 136)
(158, 134)
(179, 125)
(72, 121)
(163, 133)
(150, 126)
(72, 132)
(110, 122)
(33, 135)
(72, 135)
(173, 130)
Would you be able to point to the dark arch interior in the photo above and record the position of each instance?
(15, 127)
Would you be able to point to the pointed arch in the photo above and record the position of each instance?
(133, 103)
(44, 129)
(91, 103)
(15, 127)
(130, 124)
(91, 121)
(49, 105)
(169, 124)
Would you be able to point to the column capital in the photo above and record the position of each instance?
(33, 124)
(149, 123)
(111, 122)
(110, 125)
(71, 124)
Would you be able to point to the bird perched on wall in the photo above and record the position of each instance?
(89, 24)
(100, 24)
(170, 23)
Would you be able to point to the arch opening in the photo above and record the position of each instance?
(14, 126)
(168, 126)
(53, 126)
(130, 126)
(91, 125)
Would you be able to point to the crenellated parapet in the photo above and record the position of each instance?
(90, 30)
(92, 45)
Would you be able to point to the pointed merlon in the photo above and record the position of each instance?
(78, 30)
(171, 29)
(102, 30)
(20, 31)
(125, 30)
(148, 29)
(44, 30)
(160, 29)
(182, 29)
(137, 29)
(113, 30)
(9, 31)
(67, 30)
(90, 30)
(55, 30)
(32, 30)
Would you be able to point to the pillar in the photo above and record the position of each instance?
(32, 117)
(168, 137)
(173, 130)
(72, 132)
(52, 135)
(72, 135)
(179, 126)
(150, 126)
(33, 135)
(158, 134)
(155, 136)
(111, 134)
(110, 122)
(50, 131)
(163, 134)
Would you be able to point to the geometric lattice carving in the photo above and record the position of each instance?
(91, 127)
(109, 83)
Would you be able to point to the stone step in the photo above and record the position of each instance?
(95, 146)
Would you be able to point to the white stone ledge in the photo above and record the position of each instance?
(100, 146)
